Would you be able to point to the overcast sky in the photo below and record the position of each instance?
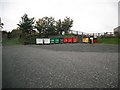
(89, 16)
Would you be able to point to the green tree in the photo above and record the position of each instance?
(39, 25)
(67, 24)
(26, 25)
(15, 33)
(49, 26)
(46, 26)
(4, 35)
(59, 27)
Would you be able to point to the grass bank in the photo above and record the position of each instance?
(17, 41)
(108, 40)
(12, 41)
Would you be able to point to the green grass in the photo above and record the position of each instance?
(108, 40)
(13, 41)
(16, 41)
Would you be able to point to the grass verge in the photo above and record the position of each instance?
(17, 41)
(108, 40)
(13, 41)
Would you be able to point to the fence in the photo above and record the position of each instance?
(103, 34)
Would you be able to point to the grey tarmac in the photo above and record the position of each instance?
(60, 66)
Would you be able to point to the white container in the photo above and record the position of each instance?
(91, 38)
(39, 41)
(46, 40)
(95, 36)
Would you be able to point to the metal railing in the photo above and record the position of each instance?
(102, 34)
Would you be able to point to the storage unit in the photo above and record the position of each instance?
(39, 40)
(70, 40)
(74, 40)
(94, 40)
(46, 40)
(85, 40)
(65, 40)
(52, 40)
(61, 40)
(91, 39)
(57, 40)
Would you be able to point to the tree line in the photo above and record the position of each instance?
(46, 26)
(29, 28)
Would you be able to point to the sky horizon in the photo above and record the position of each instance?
(90, 16)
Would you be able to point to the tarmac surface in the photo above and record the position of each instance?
(60, 66)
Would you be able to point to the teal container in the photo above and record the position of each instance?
(57, 40)
(52, 40)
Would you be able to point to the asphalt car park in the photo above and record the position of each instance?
(60, 66)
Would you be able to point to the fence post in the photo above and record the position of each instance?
(77, 33)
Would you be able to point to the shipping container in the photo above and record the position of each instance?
(61, 40)
(57, 40)
(85, 40)
(39, 40)
(65, 40)
(46, 40)
(52, 40)
(74, 40)
(94, 41)
(70, 40)
(91, 39)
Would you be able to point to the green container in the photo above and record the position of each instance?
(52, 40)
(57, 40)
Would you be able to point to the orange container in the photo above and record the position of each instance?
(74, 40)
(65, 40)
(69, 40)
